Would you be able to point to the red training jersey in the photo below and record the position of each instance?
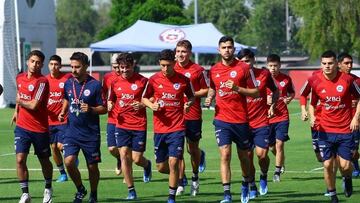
(285, 86)
(257, 107)
(335, 98)
(108, 79)
(230, 105)
(34, 88)
(56, 96)
(198, 79)
(123, 93)
(169, 94)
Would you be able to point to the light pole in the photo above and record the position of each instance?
(196, 22)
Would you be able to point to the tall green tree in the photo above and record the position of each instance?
(124, 13)
(328, 24)
(266, 27)
(229, 16)
(75, 23)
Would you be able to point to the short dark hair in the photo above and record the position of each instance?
(226, 39)
(328, 54)
(167, 55)
(245, 53)
(344, 55)
(37, 53)
(79, 56)
(55, 58)
(184, 43)
(273, 58)
(125, 58)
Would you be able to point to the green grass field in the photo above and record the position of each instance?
(302, 181)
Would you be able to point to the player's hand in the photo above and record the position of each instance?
(355, 155)
(207, 101)
(269, 100)
(230, 84)
(61, 117)
(354, 103)
(85, 107)
(155, 106)
(187, 107)
(13, 119)
(137, 105)
(354, 125)
(287, 100)
(17, 100)
(304, 115)
(110, 105)
(271, 111)
(312, 121)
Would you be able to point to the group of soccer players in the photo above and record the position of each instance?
(61, 112)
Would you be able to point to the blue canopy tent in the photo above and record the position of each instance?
(146, 36)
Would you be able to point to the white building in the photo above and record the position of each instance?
(36, 29)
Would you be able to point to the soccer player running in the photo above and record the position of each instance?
(164, 95)
(130, 134)
(84, 102)
(345, 64)
(334, 90)
(193, 121)
(31, 117)
(57, 128)
(259, 114)
(228, 82)
(279, 123)
(110, 130)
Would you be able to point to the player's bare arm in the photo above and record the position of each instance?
(210, 97)
(312, 115)
(304, 113)
(14, 117)
(152, 105)
(93, 109)
(137, 105)
(31, 105)
(201, 93)
(354, 125)
(64, 108)
(289, 98)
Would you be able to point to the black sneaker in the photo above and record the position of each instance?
(79, 196)
(334, 199)
(347, 185)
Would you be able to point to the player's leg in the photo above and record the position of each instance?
(56, 140)
(355, 158)
(161, 153)
(138, 149)
(281, 132)
(92, 155)
(111, 143)
(315, 140)
(345, 153)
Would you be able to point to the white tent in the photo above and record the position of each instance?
(146, 36)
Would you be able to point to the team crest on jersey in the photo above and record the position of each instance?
(176, 86)
(258, 82)
(87, 92)
(31, 88)
(233, 74)
(172, 35)
(61, 85)
(282, 84)
(339, 88)
(187, 74)
(134, 87)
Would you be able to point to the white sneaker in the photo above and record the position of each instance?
(25, 198)
(47, 195)
(194, 190)
(180, 190)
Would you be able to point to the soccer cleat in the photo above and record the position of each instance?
(25, 198)
(253, 192)
(79, 196)
(327, 194)
(118, 168)
(202, 164)
(276, 178)
(348, 187)
(245, 194)
(62, 178)
(47, 195)
(147, 173)
(355, 173)
(282, 170)
(194, 190)
(334, 199)
(227, 199)
(180, 190)
(132, 195)
(263, 187)
(92, 200)
(171, 201)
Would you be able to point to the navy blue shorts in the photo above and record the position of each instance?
(356, 136)
(169, 145)
(226, 133)
(57, 133)
(332, 144)
(193, 130)
(315, 140)
(90, 149)
(110, 135)
(24, 138)
(134, 139)
(260, 137)
(279, 131)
